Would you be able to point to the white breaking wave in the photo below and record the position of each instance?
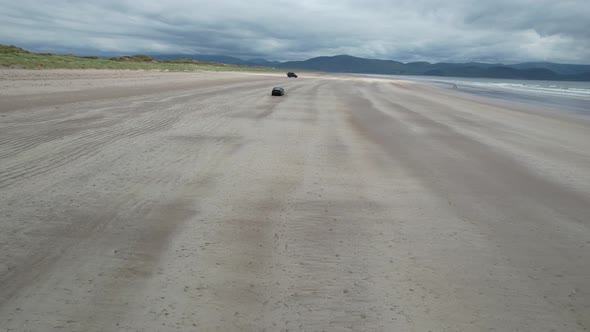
(567, 89)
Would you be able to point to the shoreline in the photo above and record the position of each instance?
(550, 100)
(70, 80)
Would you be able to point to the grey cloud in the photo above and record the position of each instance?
(417, 30)
(566, 18)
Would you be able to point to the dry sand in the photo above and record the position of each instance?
(146, 201)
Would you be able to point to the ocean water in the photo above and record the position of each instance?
(553, 88)
(561, 95)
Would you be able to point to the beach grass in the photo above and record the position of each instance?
(15, 57)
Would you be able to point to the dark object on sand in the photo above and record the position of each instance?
(291, 74)
(278, 91)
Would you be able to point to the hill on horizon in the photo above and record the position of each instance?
(351, 64)
(529, 70)
(358, 65)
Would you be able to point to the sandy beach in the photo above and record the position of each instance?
(155, 201)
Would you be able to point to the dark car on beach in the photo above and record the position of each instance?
(278, 91)
(291, 74)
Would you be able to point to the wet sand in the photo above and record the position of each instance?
(147, 201)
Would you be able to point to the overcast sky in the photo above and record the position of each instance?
(406, 30)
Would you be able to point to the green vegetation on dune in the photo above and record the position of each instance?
(134, 58)
(181, 60)
(11, 49)
(16, 57)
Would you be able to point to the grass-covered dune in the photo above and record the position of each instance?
(15, 57)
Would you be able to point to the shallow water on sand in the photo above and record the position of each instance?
(561, 95)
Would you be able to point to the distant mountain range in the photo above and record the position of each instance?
(221, 59)
(529, 70)
(351, 64)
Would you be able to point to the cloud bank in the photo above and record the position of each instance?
(418, 30)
